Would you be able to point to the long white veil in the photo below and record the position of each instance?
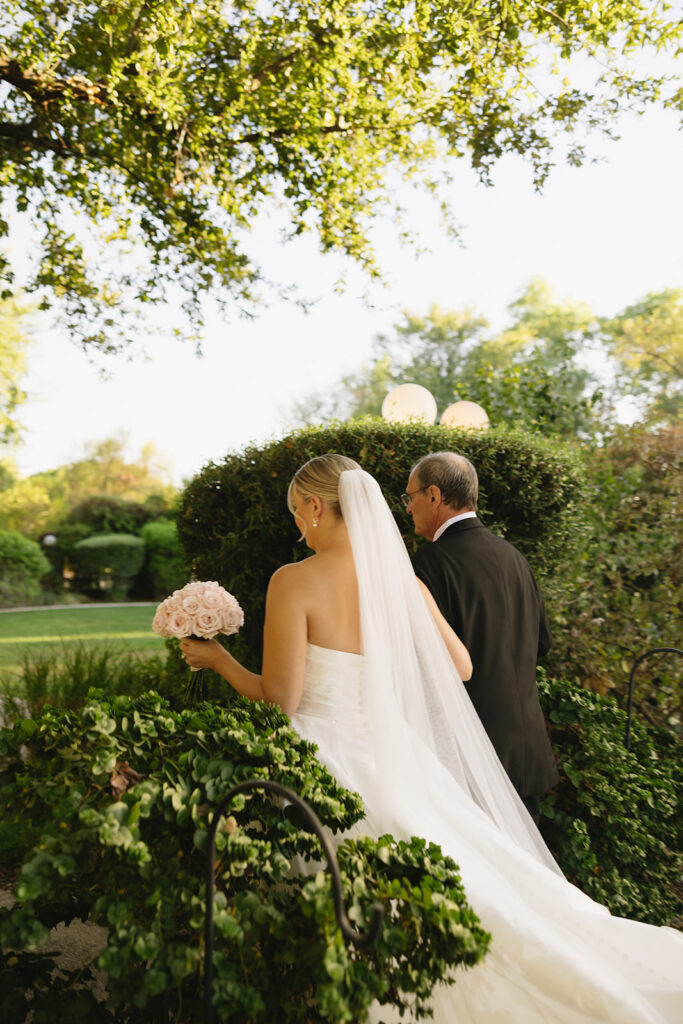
(415, 702)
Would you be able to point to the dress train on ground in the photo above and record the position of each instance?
(556, 956)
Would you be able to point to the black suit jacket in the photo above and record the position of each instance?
(489, 595)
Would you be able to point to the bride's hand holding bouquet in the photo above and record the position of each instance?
(196, 614)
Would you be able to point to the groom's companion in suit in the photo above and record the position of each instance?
(489, 595)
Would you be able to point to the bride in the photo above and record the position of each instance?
(358, 655)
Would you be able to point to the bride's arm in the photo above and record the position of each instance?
(284, 648)
(456, 648)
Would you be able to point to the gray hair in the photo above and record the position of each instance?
(454, 475)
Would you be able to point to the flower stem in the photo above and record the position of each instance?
(195, 690)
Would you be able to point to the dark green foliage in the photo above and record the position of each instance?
(235, 527)
(108, 562)
(107, 513)
(120, 793)
(55, 996)
(621, 594)
(64, 678)
(165, 569)
(22, 565)
(613, 822)
(101, 514)
(61, 554)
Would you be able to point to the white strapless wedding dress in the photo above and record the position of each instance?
(556, 957)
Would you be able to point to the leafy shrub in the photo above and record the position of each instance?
(22, 566)
(60, 554)
(165, 568)
(109, 562)
(234, 524)
(121, 794)
(622, 593)
(613, 822)
(99, 514)
(106, 513)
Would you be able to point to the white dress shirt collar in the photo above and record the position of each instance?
(449, 522)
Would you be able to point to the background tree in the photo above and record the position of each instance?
(45, 500)
(621, 594)
(15, 337)
(556, 367)
(158, 131)
(532, 374)
(646, 339)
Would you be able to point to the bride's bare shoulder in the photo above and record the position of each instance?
(294, 574)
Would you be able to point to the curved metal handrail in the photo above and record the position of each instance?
(636, 663)
(347, 929)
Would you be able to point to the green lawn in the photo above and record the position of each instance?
(120, 628)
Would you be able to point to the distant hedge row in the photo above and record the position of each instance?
(234, 524)
(150, 564)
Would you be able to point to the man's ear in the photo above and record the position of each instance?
(434, 493)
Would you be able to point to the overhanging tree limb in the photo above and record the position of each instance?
(169, 127)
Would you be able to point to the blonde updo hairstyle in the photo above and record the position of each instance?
(319, 477)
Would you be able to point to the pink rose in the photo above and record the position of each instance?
(191, 604)
(160, 621)
(233, 618)
(212, 597)
(180, 624)
(200, 608)
(208, 622)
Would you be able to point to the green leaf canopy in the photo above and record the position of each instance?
(163, 127)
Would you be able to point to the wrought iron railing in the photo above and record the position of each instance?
(350, 933)
(636, 663)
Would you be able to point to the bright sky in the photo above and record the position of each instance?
(605, 234)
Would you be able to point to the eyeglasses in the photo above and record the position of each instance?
(408, 497)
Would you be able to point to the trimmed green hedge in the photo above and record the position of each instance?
(109, 556)
(115, 802)
(22, 566)
(98, 514)
(613, 822)
(234, 524)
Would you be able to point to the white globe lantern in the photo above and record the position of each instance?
(465, 414)
(409, 402)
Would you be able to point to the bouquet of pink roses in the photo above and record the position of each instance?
(201, 611)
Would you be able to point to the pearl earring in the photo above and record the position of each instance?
(315, 521)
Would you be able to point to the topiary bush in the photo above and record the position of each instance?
(165, 568)
(234, 524)
(98, 514)
(114, 803)
(613, 822)
(22, 566)
(108, 562)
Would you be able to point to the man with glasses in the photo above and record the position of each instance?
(487, 592)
